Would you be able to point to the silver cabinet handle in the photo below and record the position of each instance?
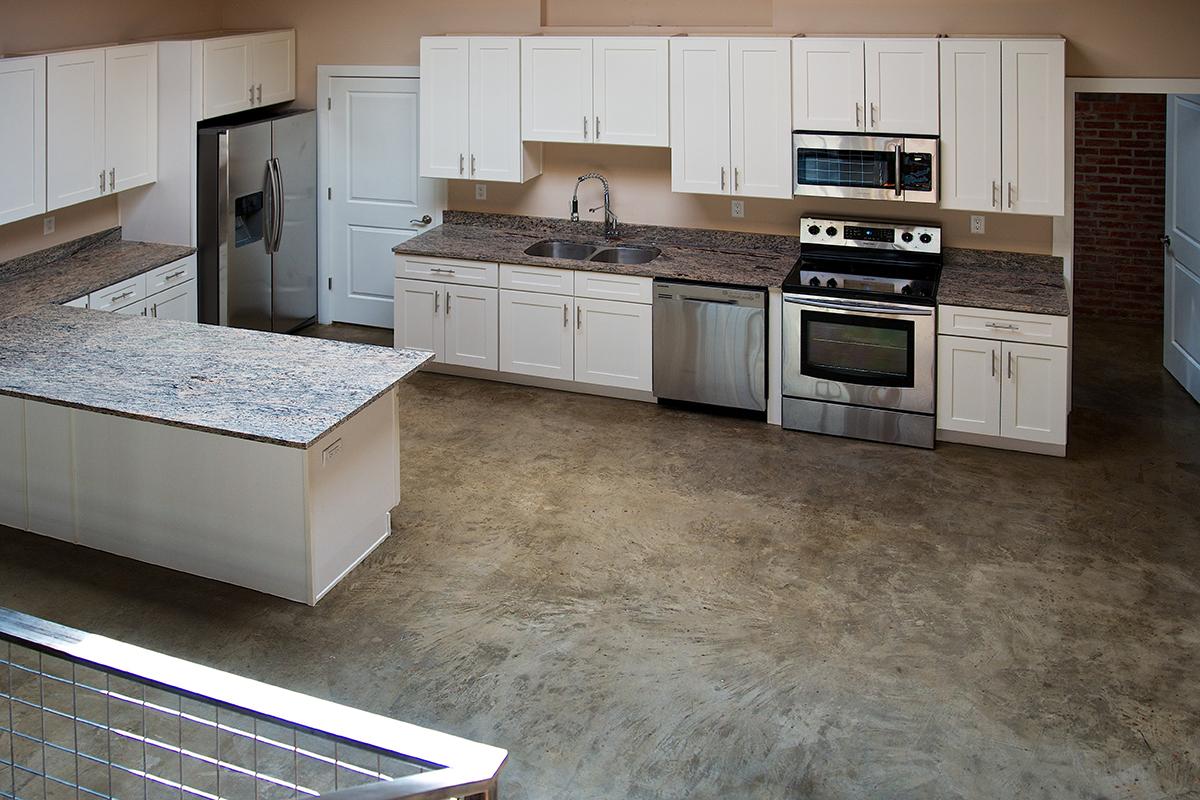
(170, 276)
(425, 220)
(1001, 327)
(1010, 365)
(461, 162)
(112, 179)
(252, 94)
(566, 317)
(119, 297)
(873, 123)
(447, 302)
(154, 310)
(143, 312)
(472, 163)
(441, 271)
(259, 90)
(858, 115)
(1010, 194)
(995, 194)
(597, 129)
(735, 179)
(101, 181)
(585, 127)
(722, 179)
(436, 297)
(578, 318)
(994, 357)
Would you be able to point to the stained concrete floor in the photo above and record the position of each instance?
(646, 603)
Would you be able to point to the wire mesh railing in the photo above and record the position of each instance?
(84, 717)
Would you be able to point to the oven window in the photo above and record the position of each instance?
(869, 351)
(870, 169)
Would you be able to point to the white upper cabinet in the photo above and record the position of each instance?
(700, 141)
(471, 110)
(22, 138)
(76, 170)
(760, 114)
(827, 84)
(1003, 111)
(1033, 125)
(630, 91)
(445, 104)
(970, 147)
(902, 85)
(131, 115)
(556, 89)
(248, 71)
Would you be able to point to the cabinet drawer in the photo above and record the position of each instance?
(78, 302)
(607, 286)
(537, 279)
(169, 275)
(118, 295)
(449, 270)
(1009, 326)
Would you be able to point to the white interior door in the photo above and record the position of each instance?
(1181, 317)
(375, 197)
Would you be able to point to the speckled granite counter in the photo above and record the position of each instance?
(1004, 281)
(283, 390)
(61, 274)
(742, 259)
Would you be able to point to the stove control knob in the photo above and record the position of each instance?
(926, 238)
(814, 281)
(831, 231)
(831, 283)
(813, 230)
(906, 237)
(906, 289)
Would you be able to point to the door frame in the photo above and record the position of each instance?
(325, 75)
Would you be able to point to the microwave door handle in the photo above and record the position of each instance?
(899, 167)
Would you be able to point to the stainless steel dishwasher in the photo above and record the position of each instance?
(710, 345)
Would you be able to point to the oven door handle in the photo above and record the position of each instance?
(899, 311)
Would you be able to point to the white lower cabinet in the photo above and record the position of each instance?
(177, 303)
(419, 324)
(167, 292)
(613, 344)
(1013, 391)
(536, 335)
(458, 324)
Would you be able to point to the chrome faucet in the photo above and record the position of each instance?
(610, 219)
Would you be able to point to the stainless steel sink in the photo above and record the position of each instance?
(554, 248)
(626, 254)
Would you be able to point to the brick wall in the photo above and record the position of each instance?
(1120, 174)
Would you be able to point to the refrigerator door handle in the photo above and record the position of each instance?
(280, 203)
(272, 195)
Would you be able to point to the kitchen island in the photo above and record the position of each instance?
(262, 460)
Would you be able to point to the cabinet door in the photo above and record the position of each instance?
(1033, 78)
(131, 115)
(536, 336)
(1034, 404)
(556, 89)
(760, 81)
(495, 110)
(968, 385)
(419, 323)
(613, 344)
(472, 327)
(178, 303)
(75, 164)
(445, 92)
(828, 85)
(970, 146)
(632, 89)
(22, 138)
(273, 67)
(700, 116)
(902, 85)
(228, 75)
(139, 308)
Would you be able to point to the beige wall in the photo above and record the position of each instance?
(19, 238)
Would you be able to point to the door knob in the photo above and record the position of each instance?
(425, 220)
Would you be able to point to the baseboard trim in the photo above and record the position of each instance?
(541, 383)
(1001, 443)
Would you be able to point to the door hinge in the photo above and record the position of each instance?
(331, 284)
(329, 193)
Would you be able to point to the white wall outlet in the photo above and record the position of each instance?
(481, 191)
(739, 209)
(47, 226)
(977, 224)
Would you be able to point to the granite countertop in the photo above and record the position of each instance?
(61, 274)
(1004, 281)
(267, 387)
(757, 261)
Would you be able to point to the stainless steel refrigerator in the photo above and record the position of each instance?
(257, 222)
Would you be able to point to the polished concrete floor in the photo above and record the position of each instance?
(646, 603)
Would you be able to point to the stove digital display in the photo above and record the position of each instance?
(887, 235)
(865, 284)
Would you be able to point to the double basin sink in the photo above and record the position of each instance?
(578, 251)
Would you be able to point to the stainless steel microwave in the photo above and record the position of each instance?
(866, 167)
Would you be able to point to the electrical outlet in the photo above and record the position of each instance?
(977, 224)
(481, 191)
(47, 226)
(739, 209)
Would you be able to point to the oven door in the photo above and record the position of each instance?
(859, 352)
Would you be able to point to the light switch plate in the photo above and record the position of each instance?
(977, 224)
(47, 226)
(481, 191)
(739, 209)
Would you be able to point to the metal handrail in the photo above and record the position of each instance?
(456, 767)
